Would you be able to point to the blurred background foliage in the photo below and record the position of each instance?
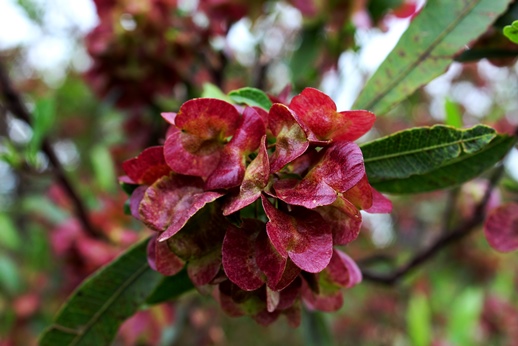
(95, 76)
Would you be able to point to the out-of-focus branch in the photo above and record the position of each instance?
(442, 242)
(259, 77)
(13, 102)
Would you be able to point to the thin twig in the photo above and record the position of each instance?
(259, 78)
(14, 104)
(444, 240)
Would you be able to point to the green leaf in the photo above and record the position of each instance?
(41, 205)
(426, 49)
(95, 311)
(10, 154)
(9, 237)
(453, 113)
(420, 150)
(315, 329)
(10, 280)
(511, 31)
(252, 97)
(43, 118)
(503, 284)
(464, 316)
(303, 61)
(171, 287)
(104, 170)
(431, 158)
(379, 8)
(38, 255)
(419, 320)
(32, 9)
(212, 91)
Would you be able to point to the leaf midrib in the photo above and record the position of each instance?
(81, 331)
(458, 159)
(420, 150)
(405, 72)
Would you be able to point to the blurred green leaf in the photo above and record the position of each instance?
(32, 9)
(44, 116)
(379, 8)
(252, 97)
(504, 284)
(42, 206)
(171, 287)
(94, 312)
(212, 91)
(7, 319)
(463, 317)
(509, 184)
(9, 237)
(38, 254)
(419, 320)
(104, 170)
(426, 49)
(315, 329)
(10, 280)
(10, 154)
(302, 63)
(453, 113)
(431, 158)
(511, 31)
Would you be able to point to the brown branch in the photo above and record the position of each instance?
(14, 104)
(442, 242)
(259, 77)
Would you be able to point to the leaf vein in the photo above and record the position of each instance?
(420, 150)
(395, 81)
(81, 331)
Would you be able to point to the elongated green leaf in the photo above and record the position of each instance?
(419, 320)
(511, 31)
(464, 317)
(453, 113)
(44, 116)
(303, 61)
(171, 287)
(95, 311)
(10, 280)
(102, 164)
(212, 91)
(315, 329)
(432, 158)
(452, 173)
(434, 37)
(32, 9)
(420, 150)
(251, 97)
(9, 235)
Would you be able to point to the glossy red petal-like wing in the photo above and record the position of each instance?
(239, 255)
(291, 140)
(302, 235)
(147, 167)
(171, 201)
(162, 259)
